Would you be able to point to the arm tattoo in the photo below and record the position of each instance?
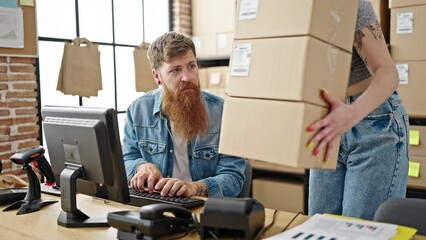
(375, 29)
(358, 40)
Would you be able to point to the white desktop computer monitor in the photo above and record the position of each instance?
(85, 153)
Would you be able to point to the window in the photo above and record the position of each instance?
(117, 26)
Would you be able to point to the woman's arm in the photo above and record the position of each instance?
(371, 46)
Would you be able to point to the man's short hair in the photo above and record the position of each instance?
(168, 46)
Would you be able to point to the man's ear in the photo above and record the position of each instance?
(157, 78)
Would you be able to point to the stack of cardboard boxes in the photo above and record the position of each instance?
(284, 53)
(407, 39)
(213, 33)
(213, 27)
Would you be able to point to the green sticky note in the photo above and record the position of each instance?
(414, 169)
(414, 137)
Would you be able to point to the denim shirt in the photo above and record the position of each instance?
(147, 138)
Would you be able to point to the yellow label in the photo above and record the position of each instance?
(414, 137)
(414, 169)
(27, 3)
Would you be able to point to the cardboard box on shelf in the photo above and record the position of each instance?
(411, 84)
(291, 68)
(205, 45)
(273, 131)
(217, 77)
(217, 91)
(213, 44)
(408, 35)
(417, 140)
(279, 194)
(405, 3)
(273, 167)
(224, 44)
(329, 20)
(381, 7)
(202, 72)
(417, 172)
(212, 16)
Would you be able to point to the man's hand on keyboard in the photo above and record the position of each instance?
(176, 187)
(147, 175)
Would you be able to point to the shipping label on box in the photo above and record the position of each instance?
(273, 131)
(292, 68)
(411, 86)
(332, 21)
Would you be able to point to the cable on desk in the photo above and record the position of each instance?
(212, 234)
(274, 217)
(294, 218)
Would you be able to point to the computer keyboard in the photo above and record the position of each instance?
(140, 199)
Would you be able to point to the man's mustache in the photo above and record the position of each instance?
(186, 86)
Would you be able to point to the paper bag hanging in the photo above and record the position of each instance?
(80, 72)
(143, 75)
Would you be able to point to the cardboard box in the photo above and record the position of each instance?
(329, 20)
(420, 181)
(212, 16)
(202, 73)
(412, 84)
(381, 7)
(291, 68)
(217, 91)
(408, 33)
(213, 44)
(279, 194)
(405, 3)
(273, 131)
(224, 43)
(273, 167)
(217, 77)
(417, 140)
(205, 45)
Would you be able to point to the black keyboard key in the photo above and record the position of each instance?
(140, 199)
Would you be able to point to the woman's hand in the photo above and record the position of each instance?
(338, 120)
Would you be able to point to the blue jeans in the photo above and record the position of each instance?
(372, 165)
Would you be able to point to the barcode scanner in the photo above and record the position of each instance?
(36, 156)
(32, 201)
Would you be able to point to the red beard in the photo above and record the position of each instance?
(186, 110)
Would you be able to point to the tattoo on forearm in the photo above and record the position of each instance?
(358, 40)
(376, 30)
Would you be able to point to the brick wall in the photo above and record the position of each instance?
(182, 16)
(18, 109)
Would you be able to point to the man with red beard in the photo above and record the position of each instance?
(171, 138)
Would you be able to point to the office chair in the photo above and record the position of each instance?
(408, 212)
(245, 191)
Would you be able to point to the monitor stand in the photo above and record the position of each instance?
(70, 216)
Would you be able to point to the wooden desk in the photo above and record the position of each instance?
(42, 225)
